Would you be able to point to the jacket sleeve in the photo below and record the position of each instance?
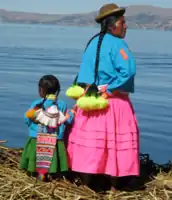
(124, 67)
(86, 72)
(27, 120)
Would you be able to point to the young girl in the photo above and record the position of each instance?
(44, 152)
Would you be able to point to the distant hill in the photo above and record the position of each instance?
(147, 17)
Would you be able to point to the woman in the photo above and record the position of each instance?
(106, 141)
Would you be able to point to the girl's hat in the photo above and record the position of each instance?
(108, 10)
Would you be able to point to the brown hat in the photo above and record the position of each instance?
(107, 10)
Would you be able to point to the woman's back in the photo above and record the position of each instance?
(108, 60)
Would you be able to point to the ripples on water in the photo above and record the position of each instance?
(28, 51)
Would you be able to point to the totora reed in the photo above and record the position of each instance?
(155, 183)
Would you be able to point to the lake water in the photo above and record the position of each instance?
(29, 51)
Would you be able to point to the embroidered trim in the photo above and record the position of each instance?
(44, 151)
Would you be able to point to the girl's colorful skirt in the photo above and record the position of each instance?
(59, 159)
(107, 141)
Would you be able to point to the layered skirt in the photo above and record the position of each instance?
(106, 141)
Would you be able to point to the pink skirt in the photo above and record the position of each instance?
(105, 142)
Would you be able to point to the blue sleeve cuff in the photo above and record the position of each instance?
(27, 120)
(61, 132)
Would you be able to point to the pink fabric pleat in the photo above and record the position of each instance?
(105, 142)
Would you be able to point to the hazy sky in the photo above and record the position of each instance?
(71, 6)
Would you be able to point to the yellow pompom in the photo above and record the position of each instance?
(83, 103)
(102, 103)
(88, 103)
(74, 92)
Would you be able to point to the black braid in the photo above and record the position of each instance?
(93, 89)
(41, 105)
(102, 34)
(105, 25)
(76, 78)
(91, 40)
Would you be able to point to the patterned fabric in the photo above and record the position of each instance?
(62, 106)
(44, 151)
(51, 117)
(28, 159)
(47, 130)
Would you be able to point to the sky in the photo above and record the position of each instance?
(72, 6)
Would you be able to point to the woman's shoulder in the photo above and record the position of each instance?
(113, 41)
(118, 43)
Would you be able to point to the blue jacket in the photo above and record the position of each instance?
(62, 106)
(117, 66)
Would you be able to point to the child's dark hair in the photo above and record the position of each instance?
(50, 84)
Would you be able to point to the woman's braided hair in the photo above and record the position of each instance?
(106, 24)
(101, 36)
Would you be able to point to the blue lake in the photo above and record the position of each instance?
(29, 51)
